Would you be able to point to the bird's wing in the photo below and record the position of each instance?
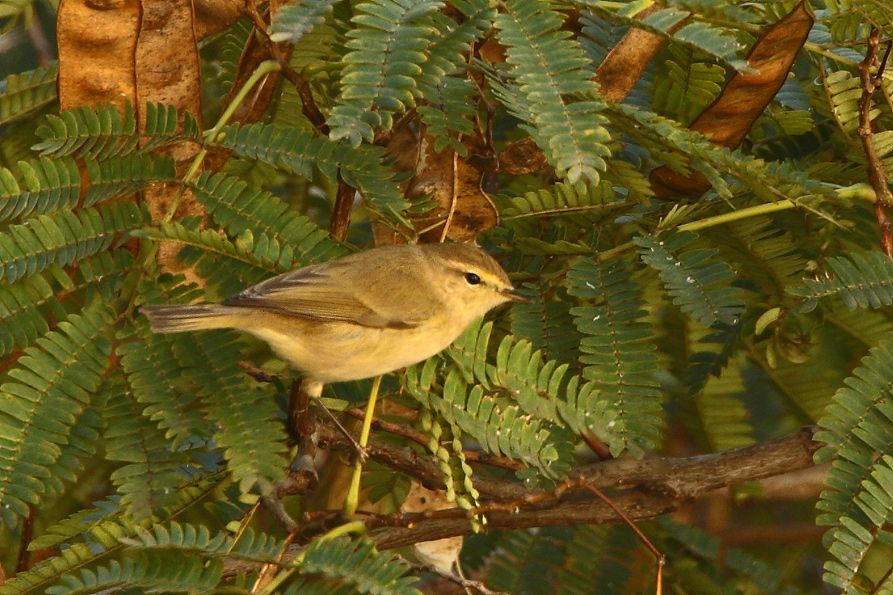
(327, 293)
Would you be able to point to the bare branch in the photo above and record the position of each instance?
(877, 177)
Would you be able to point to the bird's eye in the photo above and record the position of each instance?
(472, 278)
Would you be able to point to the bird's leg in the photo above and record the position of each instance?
(302, 427)
(352, 499)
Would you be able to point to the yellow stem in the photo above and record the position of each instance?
(262, 70)
(351, 501)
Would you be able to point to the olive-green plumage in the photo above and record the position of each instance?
(359, 316)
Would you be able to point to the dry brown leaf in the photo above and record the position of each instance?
(453, 182)
(729, 118)
(168, 72)
(213, 16)
(97, 39)
(492, 51)
(521, 157)
(625, 63)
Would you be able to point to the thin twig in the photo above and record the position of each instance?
(877, 177)
(454, 197)
(339, 222)
(658, 555)
(259, 374)
(268, 571)
(280, 54)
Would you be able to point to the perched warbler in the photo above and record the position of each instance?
(358, 316)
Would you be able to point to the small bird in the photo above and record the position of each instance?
(359, 316)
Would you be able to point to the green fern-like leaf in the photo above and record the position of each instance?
(237, 207)
(584, 409)
(152, 472)
(519, 369)
(711, 39)
(102, 522)
(100, 133)
(618, 348)
(861, 280)
(716, 349)
(248, 429)
(387, 49)
(123, 175)
(845, 90)
(292, 21)
(104, 132)
(149, 571)
(447, 94)
(699, 283)
(562, 199)
(857, 434)
(449, 112)
(197, 539)
(50, 387)
(261, 256)
(26, 305)
(39, 578)
(688, 88)
(298, 152)
(764, 254)
(767, 180)
(500, 429)
(64, 237)
(20, 320)
(545, 326)
(537, 386)
(50, 185)
(165, 125)
(358, 564)
(22, 94)
(155, 378)
(550, 69)
(724, 418)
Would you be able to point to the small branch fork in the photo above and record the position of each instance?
(280, 53)
(877, 177)
(640, 489)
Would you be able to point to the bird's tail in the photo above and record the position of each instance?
(176, 319)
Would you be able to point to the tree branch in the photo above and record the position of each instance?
(642, 488)
(877, 177)
(648, 487)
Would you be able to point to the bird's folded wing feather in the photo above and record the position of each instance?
(324, 295)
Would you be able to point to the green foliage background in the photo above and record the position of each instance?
(138, 453)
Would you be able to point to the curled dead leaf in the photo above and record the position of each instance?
(729, 118)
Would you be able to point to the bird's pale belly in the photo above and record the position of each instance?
(348, 352)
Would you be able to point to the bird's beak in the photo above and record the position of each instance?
(512, 294)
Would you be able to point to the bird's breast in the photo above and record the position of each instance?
(339, 352)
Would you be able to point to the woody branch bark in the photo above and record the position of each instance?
(645, 488)
(877, 177)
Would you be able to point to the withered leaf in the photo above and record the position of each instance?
(729, 118)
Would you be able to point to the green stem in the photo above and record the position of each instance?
(351, 501)
(262, 70)
(700, 224)
(755, 211)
